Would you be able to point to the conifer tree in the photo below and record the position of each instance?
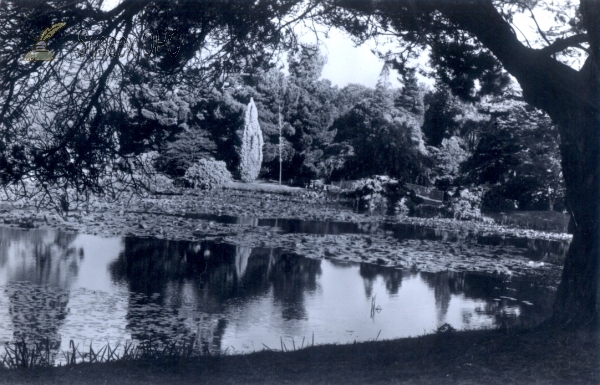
(411, 96)
(250, 145)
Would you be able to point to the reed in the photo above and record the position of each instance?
(374, 307)
(21, 354)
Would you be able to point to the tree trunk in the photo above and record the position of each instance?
(577, 300)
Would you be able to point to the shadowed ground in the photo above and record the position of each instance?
(473, 357)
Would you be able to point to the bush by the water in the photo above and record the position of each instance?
(495, 200)
(208, 174)
(465, 204)
(370, 193)
(383, 192)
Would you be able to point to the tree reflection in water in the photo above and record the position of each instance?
(182, 289)
(292, 278)
(169, 290)
(41, 266)
(391, 277)
(498, 293)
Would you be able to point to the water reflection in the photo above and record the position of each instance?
(552, 251)
(370, 273)
(186, 287)
(38, 268)
(109, 290)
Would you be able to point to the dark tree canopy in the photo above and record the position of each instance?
(65, 124)
(384, 132)
(439, 120)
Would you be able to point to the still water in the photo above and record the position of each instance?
(552, 251)
(237, 299)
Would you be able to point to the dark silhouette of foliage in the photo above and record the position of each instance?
(385, 139)
(439, 120)
(494, 157)
(62, 123)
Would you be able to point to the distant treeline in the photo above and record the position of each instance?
(413, 133)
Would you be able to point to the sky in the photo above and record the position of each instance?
(347, 63)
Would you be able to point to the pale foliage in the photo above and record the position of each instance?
(448, 156)
(208, 174)
(466, 204)
(250, 151)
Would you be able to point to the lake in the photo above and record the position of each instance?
(90, 289)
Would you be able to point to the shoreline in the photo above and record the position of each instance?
(247, 220)
(516, 356)
(496, 356)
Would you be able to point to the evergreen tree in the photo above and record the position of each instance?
(410, 98)
(249, 145)
(439, 119)
(386, 139)
(350, 96)
(518, 157)
(310, 110)
(382, 97)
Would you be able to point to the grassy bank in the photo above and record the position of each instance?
(472, 357)
(264, 187)
(535, 220)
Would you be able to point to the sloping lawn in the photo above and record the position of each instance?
(472, 357)
(263, 186)
(536, 220)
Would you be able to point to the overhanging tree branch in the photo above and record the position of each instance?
(562, 44)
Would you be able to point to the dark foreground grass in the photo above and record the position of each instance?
(21, 355)
(472, 357)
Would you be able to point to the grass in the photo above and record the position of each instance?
(512, 356)
(22, 355)
(535, 220)
(264, 187)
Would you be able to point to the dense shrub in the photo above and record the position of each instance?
(370, 192)
(207, 174)
(402, 206)
(162, 183)
(383, 192)
(400, 199)
(465, 204)
(495, 200)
